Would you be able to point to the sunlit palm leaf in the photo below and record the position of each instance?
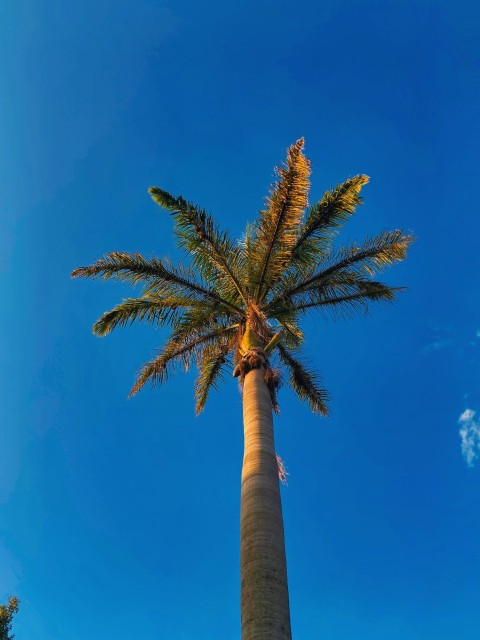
(279, 224)
(326, 217)
(154, 310)
(158, 275)
(337, 306)
(212, 251)
(349, 264)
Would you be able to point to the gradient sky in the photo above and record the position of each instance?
(120, 518)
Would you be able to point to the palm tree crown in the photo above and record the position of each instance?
(240, 301)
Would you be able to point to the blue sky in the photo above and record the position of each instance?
(120, 518)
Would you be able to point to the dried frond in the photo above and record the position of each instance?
(273, 381)
(282, 471)
(257, 322)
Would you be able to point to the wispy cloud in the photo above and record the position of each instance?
(437, 346)
(445, 342)
(470, 436)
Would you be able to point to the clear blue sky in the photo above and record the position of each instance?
(120, 518)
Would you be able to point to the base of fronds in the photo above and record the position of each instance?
(252, 359)
(256, 359)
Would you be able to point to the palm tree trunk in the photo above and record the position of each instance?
(264, 589)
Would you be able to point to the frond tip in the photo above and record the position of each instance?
(326, 217)
(279, 224)
(305, 383)
(153, 310)
(210, 366)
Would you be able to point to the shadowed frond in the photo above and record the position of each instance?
(201, 318)
(248, 259)
(159, 275)
(212, 251)
(211, 365)
(326, 217)
(179, 349)
(154, 310)
(292, 333)
(305, 383)
(277, 229)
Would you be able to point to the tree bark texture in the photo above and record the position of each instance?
(264, 589)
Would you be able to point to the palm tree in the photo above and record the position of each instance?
(7, 611)
(239, 305)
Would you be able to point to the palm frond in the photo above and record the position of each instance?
(212, 250)
(326, 217)
(329, 301)
(248, 259)
(127, 267)
(305, 383)
(179, 349)
(155, 310)
(211, 366)
(347, 265)
(279, 224)
(292, 333)
(160, 276)
(201, 318)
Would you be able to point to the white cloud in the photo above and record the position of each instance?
(470, 436)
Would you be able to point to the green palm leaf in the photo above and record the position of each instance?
(154, 310)
(326, 217)
(161, 277)
(305, 382)
(211, 366)
(332, 303)
(179, 349)
(347, 265)
(213, 252)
